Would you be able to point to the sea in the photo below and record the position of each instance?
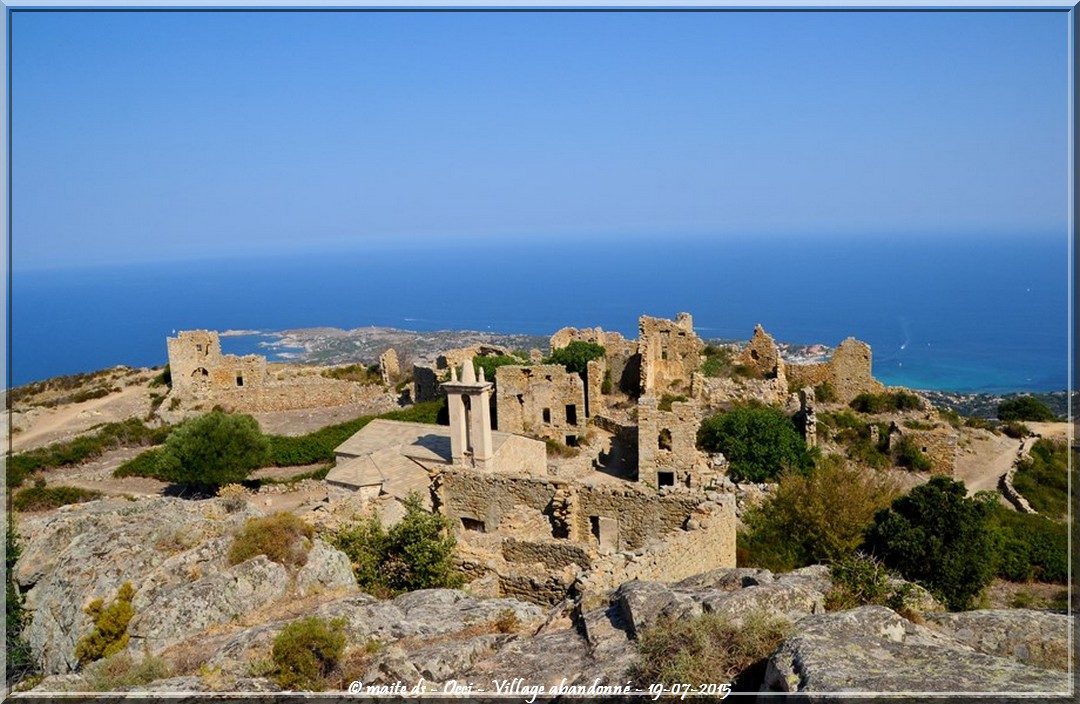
(966, 315)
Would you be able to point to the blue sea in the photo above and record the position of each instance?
(946, 314)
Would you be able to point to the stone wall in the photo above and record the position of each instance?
(667, 445)
(707, 542)
(670, 353)
(849, 371)
(389, 367)
(198, 367)
(544, 400)
(762, 357)
(639, 516)
(489, 498)
(594, 382)
(521, 455)
(620, 355)
(553, 554)
(712, 392)
(309, 393)
(940, 447)
(425, 383)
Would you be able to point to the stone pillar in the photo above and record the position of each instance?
(470, 416)
(807, 401)
(481, 423)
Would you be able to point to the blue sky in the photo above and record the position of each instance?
(165, 135)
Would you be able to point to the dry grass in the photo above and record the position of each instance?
(282, 537)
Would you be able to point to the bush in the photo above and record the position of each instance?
(212, 450)
(359, 373)
(1043, 478)
(1015, 430)
(282, 537)
(554, 448)
(416, 553)
(825, 392)
(121, 672)
(110, 627)
(817, 517)
(718, 362)
(886, 402)
(20, 659)
(307, 652)
(129, 433)
(858, 579)
(576, 356)
(981, 424)
(758, 442)
(1030, 547)
(162, 379)
(491, 363)
(709, 648)
(667, 399)
(909, 455)
(1025, 408)
(41, 498)
(938, 537)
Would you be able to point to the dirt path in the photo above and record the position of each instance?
(41, 426)
(983, 461)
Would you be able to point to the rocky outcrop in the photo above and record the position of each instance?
(872, 649)
(1032, 637)
(172, 551)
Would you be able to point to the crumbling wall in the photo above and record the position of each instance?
(595, 370)
(620, 356)
(849, 371)
(639, 516)
(544, 400)
(389, 366)
(670, 353)
(939, 445)
(298, 394)
(762, 357)
(425, 383)
(457, 357)
(552, 554)
(667, 445)
(706, 542)
(198, 367)
(712, 392)
(490, 498)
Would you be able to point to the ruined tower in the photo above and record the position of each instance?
(470, 416)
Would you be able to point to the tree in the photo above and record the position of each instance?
(20, 659)
(815, 517)
(576, 356)
(1025, 408)
(758, 441)
(213, 450)
(938, 537)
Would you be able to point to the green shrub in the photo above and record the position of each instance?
(606, 386)
(41, 498)
(1015, 430)
(825, 392)
(1043, 478)
(938, 537)
(307, 652)
(129, 433)
(162, 379)
(667, 399)
(886, 402)
(1030, 547)
(145, 464)
(121, 672)
(282, 537)
(416, 553)
(554, 448)
(110, 634)
(758, 442)
(981, 423)
(20, 659)
(359, 373)
(213, 450)
(909, 455)
(709, 648)
(718, 362)
(817, 517)
(1025, 408)
(576, 356)
(492, 362)
(859, 579)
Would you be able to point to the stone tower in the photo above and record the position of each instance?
(470, 416)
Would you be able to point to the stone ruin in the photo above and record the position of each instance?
(203, 377)
(543, 400)
(670, 353)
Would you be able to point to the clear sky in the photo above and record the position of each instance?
(158, 135)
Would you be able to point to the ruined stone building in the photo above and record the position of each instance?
(667, 445)
(544, 400)
(848, 371)
(669, 352)
(203, 377)
(197, 365)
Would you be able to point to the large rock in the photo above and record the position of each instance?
(1032, 637)
(872, 649)
(85, 552)
(326, 570)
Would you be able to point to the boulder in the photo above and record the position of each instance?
(872, 649)
(1032, 637)
(326, 569)
(793, 601)
(643, 603)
